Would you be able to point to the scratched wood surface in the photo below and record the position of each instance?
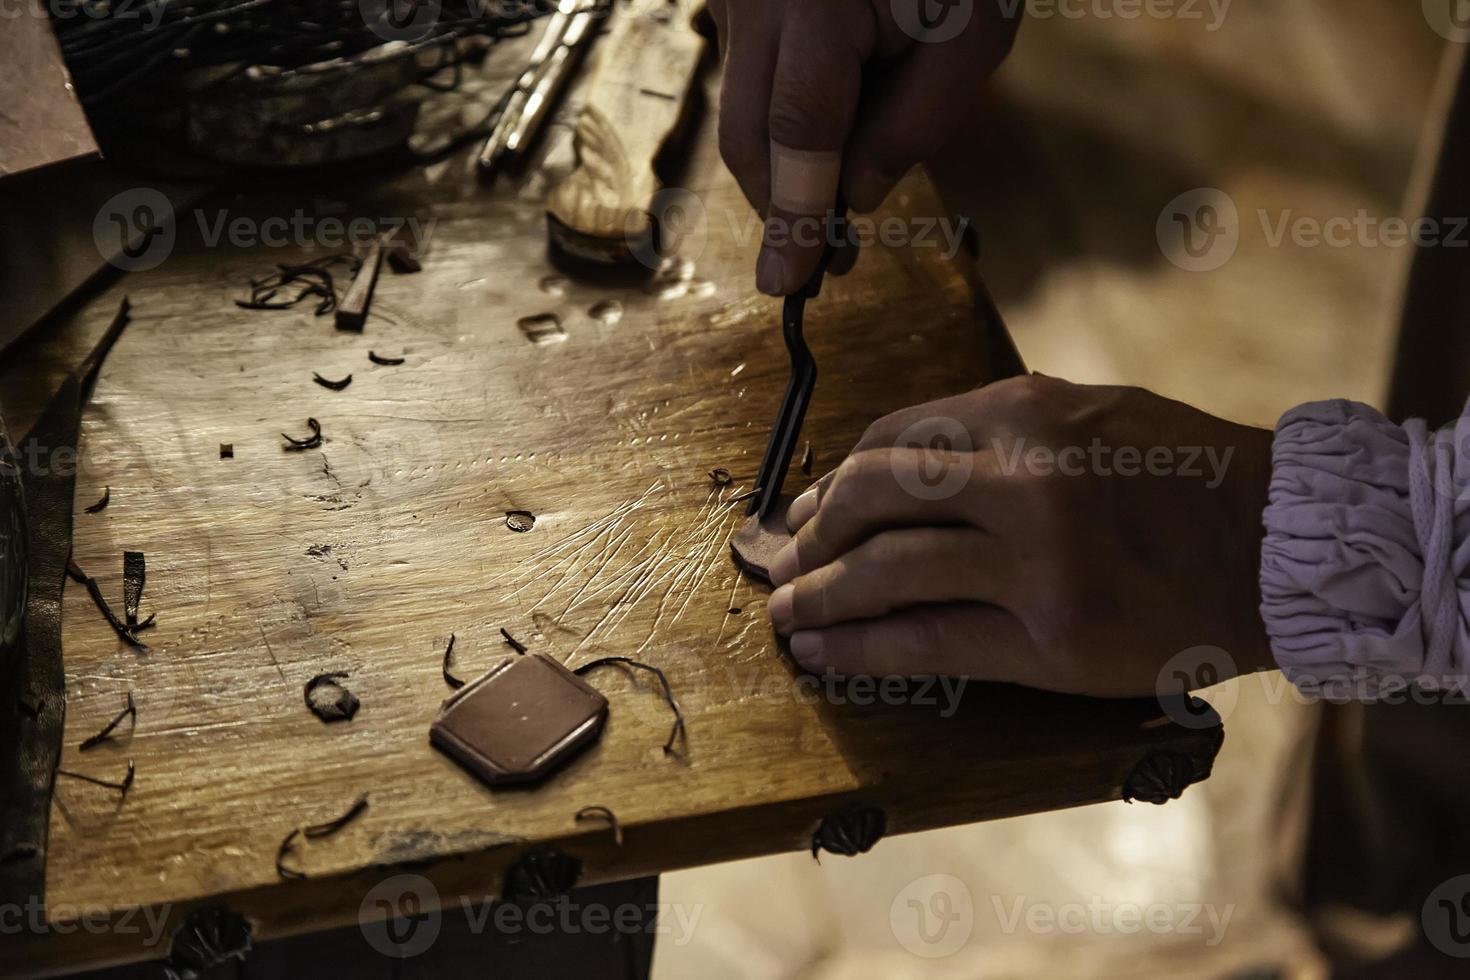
(365, 555)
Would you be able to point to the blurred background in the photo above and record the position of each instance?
(1294, 109)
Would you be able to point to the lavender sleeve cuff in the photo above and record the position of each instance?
(1364, 585)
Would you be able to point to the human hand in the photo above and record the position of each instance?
(1066, 537)
(817, 92)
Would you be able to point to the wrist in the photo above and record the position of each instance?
(1250, 493)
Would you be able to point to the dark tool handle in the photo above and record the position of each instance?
(793, 409)
(779, 450)
(12, 548)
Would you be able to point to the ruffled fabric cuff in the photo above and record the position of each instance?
(1363, 568)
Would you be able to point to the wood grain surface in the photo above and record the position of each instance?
(365, 555)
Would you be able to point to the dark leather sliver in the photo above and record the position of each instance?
(32, 690)
(521, 720)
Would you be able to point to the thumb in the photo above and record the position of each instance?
(814, 100)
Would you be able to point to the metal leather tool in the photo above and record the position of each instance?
(32, 681)
(803, 381)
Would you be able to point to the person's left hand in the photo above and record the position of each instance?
(1060, 536)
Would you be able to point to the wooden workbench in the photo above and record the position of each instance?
(366, 555)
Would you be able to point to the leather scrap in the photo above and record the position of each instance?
(758, 541)
(32, 683)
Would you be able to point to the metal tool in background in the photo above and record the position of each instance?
(568, 31)
(803, 380)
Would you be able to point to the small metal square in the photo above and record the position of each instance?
(524, 718)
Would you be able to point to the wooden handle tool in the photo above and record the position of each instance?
(601, 212)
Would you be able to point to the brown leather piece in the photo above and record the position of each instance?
(524, 718)
(758, 542)
(32, 685)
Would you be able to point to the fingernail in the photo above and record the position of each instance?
(770, 273)
(784, 566)
(780, 608)
(806, 647)
(801, 510)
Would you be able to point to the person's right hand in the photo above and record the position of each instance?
(858, 90)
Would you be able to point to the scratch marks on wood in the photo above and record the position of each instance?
(635, 565)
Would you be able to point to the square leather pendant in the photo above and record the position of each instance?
(524, 718)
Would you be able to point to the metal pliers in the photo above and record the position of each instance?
(803, 379)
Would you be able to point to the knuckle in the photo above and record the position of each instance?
(1039, 404)
(866, 469)
(1019, 398)
(845, 493)
(877, 429)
